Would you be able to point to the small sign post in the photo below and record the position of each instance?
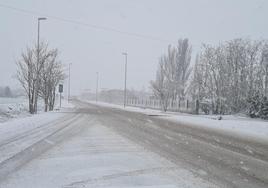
(60, 91)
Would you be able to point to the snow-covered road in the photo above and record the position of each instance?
(108, 147)
(100, 157)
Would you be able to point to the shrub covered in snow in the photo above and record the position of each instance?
(12, 107)
(258, 106)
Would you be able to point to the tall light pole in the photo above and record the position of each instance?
(125, 90)
(97, 86)
(69, 82)
(38, 52)
(38, 36)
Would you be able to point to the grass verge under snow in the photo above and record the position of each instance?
(237, 125)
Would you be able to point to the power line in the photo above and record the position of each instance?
(99, 27)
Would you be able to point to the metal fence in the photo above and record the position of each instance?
(176, 106)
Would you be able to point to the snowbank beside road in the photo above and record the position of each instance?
(12, 108)
(18, 125)
(18, 134)
(238, 125)
(15, 127)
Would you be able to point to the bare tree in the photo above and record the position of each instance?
(228, 74)
(26, 76)
(161, 85)
(51, 75)
(173, 74)
(264, 67)
(57, 76)
(182, 67)
(30, 73)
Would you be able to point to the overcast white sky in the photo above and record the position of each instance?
(91, 50)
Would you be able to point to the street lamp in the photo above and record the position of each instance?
(38, 35)
(69, 82)
(125, 90)
(38, 52)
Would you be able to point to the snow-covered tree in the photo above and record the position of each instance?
(51, 75)
(30, 73)
(162, 84)
(182, 67)
(173, 74)
(229, 74)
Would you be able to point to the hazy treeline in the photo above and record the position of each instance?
(39, 71)
(116, 96)
(230, 77)
(6, 92)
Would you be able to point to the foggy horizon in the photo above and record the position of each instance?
(92, 50)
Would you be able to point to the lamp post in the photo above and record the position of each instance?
(69, 82)
(38, 52)
(125, 90)
(38, 36)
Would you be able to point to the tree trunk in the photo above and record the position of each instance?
(52, 99)
(46, 104)
(266, 81)
(197, 107)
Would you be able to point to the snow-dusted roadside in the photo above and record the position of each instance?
(18, 134)
(21, 132)
(237, 125)
(18, 126)
(12, 108)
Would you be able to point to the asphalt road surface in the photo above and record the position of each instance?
(186, 153)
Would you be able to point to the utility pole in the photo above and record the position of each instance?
(125, 90)
(38, 53)
(97, 85)
(69, 82)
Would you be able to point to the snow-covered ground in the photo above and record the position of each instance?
(99, 157)
(20, 132)
(12, 108)
(236, 125)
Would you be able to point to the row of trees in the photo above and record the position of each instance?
(226, 76)
(173, 74)
(39, 72)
